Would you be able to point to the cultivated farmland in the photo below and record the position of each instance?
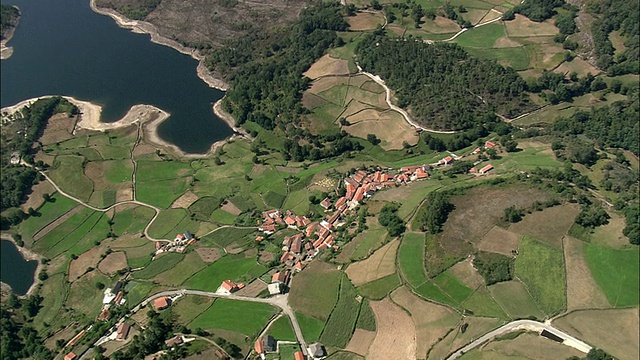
(244, 317)
(377, 266)
(315, 290)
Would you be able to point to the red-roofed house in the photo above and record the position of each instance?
(118, 298)
(359, 195)
(161, 303)
(326, 203)
(290, 221)
(229, 286)
(268, 229)
(123, 331)
(298, 356)
(489, 144)
(104, 315)
(296, 245)
(359, 176)
(311, 228)
(485, 169)
(473, 170)
(280, 276)
(299, 266)
(421, 174)
(341, 201)
(70, 356)
(258, 347)
(318, 242)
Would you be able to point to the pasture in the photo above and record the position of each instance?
(67, 172)
(532, 346)
(516, 301)
(582, 290)
(57, 207)
(229, 267)
(481, 303)
(162, 263)
(190, 264)
(366, 317)
(396, 335)
(341, 323)
(500, 241)
(310, 326)
(365, 21)
(245, 317)
(476, 326)
(541, 268)
(616, 273)
(188, 308)
(378, 289)
(315, 290)
(281, 329)
(557, 220)
(410, 259)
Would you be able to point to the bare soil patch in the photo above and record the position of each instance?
(360, 341)
(431, 321)
(234, 248)
(124, 194)
(582, 290)
(59, 128)
(616, 331)
(505, 42)
(266, 256)
(311, 100)
(579, 66)
(327, 82)
(87, 259)
(253, 289)
(35, 200)
(522, 26)
(45, 230)
(533, 346)
(113, 262)
(549, 225)
(288, 170)
(380, 264)
(143, 149)
(499, 240)
(396, 29)
(389, 126)
(475, 15)
(229, 207)
(440, 25)
(327, 65)
(477, 211)
(365, 21)
(185, 200)
(396, 337)
(465, 271)
(208, 255)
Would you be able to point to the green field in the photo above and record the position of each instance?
(137, 291)
(49, 211)
(366, 317)
(178, 274)
(516, 57)
(188, 308)
(616, 272)
(410, 259)
(453, 287)
(81, 238)
(482, 37)
(311, 327)
(67, 172)
(229, 267)
(341, 323)
(226, 236)
(516, 301)
(242, 316)
(483, 304)
(131, 221)
(162, 263)
(541, 268)
(380, 288)
(315, 290)
(281, 329)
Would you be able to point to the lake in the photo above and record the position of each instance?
(64, 48)
(14, 269)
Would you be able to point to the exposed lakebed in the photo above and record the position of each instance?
(67, 49)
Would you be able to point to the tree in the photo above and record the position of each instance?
(592, 216)
(372, 138)
(42, 276)
(513, 215)
(435, 212)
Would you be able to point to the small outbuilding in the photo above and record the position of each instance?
(161, 303)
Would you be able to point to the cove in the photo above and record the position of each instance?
(64, 48)
(14, 269)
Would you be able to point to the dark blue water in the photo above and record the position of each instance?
(14, 269)
(64, 48)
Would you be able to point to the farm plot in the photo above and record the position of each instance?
(166, 221)
(476, 326)
(557, 220)
(245, 317)
(365, 243)
(315, 290)
(499, 240)
(380, 288)
(410, 259)
(516, 301)
(226, 236)
(53, 291)
(389, 126)
(467, 274)
(162, 263)
(365, 21)
(616, 272)
(188, 308)
(482, 37)
(431, 321)
(131, 220)
(521, 26)
(396, 335)
(532, 346)
(180, 272)
(229, 267)
(341, 323)
(581, 67)
(360, 341)
(281, 329)
(112, 263)
(366, 317)
(310, 326)
(541, 269)
(616, 333)
(582, 290)
(377, 266)
(67, 172)
(481, 303)
(326, 66)
(84, 296)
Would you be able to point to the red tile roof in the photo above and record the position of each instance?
(258, 347)
(290, 220)
(489, 144)
(161, 303)
(123, 331)
(486, 168)
(70, 356)
(229, 285)
(326, 203)
(298, 356)
(341, 201)
(296, 246)
(279, 276)
(311, 228)
(359, 194)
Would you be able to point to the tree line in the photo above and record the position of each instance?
(443, 86)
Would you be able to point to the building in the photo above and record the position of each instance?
(275, 288)
(489, 145)
(176, 340)
(123, 331)
(104, 315)
(317, 351)
(486, 169)
(70, 356)
(161, 303)
(228, 286)
(326, 203)
(280, 276)
(265, 344)
(116, 287)
(298, 356)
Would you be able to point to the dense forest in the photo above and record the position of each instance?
(9, 16)
(536, 10)
(616, 15)
(442, 86)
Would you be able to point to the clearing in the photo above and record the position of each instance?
(326, 66)
(365, 21)
(396, 336)
(113, 263)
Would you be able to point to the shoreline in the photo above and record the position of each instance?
(28, 255)
(7, 51)
(143, 27)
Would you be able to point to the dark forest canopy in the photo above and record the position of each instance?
(536, 10)
(616, 15)
(444, 87)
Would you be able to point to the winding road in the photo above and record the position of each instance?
(529, 325)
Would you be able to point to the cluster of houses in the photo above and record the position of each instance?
(178, 244)
(267, 344)
(112, 296)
